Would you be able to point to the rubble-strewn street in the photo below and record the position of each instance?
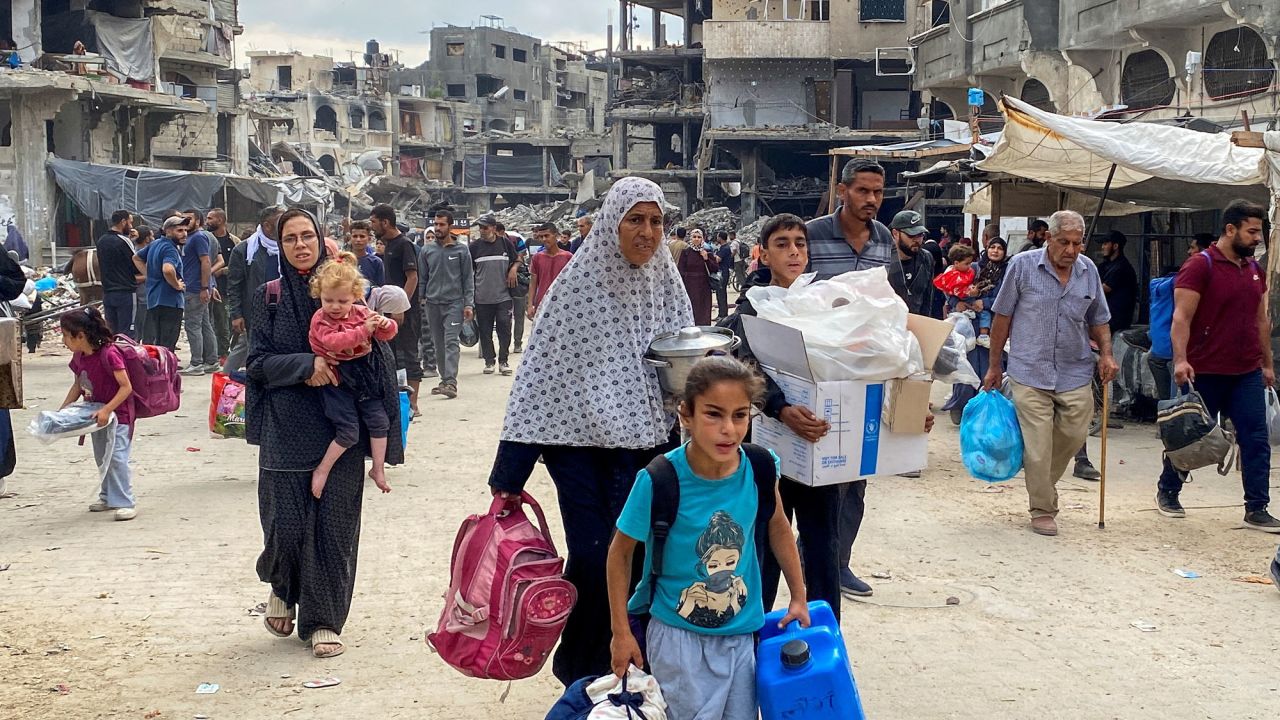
(124, 620)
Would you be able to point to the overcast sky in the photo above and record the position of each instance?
(340, 27)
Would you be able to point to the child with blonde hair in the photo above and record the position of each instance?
(343, 331)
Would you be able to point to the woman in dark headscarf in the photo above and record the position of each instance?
(986, 284)
(585, 402)
(310, 543)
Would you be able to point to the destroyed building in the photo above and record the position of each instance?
(130, 82)
(742, 109)
(537, 112)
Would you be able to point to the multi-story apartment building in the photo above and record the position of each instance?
(756, 92)
(152, 87)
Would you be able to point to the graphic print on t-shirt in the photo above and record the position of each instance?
(722, 593)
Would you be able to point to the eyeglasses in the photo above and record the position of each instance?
(305, 237)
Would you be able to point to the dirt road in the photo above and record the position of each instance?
(129, 618)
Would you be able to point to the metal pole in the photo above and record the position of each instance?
(1102, 488)
(1106, 190)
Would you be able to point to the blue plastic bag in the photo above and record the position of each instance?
(990, 438)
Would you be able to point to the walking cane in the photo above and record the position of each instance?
(1102, 489)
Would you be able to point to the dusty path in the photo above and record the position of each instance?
(131, 617)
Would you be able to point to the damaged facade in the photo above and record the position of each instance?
(743, 107)
(154, 88)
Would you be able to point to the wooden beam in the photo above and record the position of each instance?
(1242, 138)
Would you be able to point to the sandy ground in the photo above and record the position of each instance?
(130, 617)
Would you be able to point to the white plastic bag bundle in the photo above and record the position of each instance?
(73, 421)
(643, 698)
(854, 325)
(1273, 417)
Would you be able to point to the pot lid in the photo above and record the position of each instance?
(692, 341)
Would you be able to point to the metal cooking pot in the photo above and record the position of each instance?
(674, 354)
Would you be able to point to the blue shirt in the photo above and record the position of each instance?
(710, 580)
(198, 244)
(1049, 322)
(372, 269)
(159, 291)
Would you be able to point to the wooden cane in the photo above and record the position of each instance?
(1102, 488)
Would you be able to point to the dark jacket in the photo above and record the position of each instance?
(774, 399)
(917, 294)
(243, 278)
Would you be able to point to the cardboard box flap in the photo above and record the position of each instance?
(778, 346)
(932, 335)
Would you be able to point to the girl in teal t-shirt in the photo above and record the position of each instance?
(706, 604)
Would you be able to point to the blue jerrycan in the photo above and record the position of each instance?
(406, 414)
(804, 673)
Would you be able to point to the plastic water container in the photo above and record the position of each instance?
(804, 673)
(406, 415)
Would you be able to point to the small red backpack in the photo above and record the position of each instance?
(508, 600)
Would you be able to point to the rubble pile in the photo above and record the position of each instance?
(750, 234)
(711, 221)
(523, 218)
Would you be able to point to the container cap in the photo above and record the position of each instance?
(795, 654)
(692, 341)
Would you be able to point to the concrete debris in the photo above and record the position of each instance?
(717, 219)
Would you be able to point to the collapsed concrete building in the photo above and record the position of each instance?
(129, 82)
(743, 108)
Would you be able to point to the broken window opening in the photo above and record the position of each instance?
(357, 118)
(488, 85)
(326, 119)
(284, 77)
(456, 91)
(500, 51)
(519, 55)
(455, 49)
(377, 121)
(519, 95)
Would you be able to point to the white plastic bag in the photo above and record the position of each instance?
(1273, 417)
(643, 688)
(73, 421)
(964, 326)
(854, 325)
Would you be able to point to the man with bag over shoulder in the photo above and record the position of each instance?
(1222, 342)
(1049, 307)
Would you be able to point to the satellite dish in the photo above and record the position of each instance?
(370, 160)
(352, 173)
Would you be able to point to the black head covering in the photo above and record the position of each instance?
(286, 419)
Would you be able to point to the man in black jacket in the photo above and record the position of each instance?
(245, 274)
(119, 282)
(913, 279)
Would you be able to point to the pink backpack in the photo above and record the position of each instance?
(508, 600)
(153, 372)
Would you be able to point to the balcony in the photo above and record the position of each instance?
(1000, 35)
(940, 58)
(1101, 24)
(766, 39)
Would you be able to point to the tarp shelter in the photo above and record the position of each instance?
(1156, 165)
(126, 43)
(99, 190)
(1028, 199)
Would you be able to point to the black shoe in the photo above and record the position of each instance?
(517, 349)
(851, 584)
(1167, 504)
(957, 414)
(1262, 520)
(1086, 471)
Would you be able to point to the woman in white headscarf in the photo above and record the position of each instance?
(585, 402)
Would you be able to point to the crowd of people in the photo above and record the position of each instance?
(328, 335)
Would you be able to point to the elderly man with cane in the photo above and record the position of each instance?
(1051, 304)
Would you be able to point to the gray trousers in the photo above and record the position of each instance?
(199, 325)
(239, 353)
(445, 323)
(519, 307)
(427, 346)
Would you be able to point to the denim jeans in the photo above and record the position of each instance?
(1240, 398)
(117, 309)
(199, 326)
(117, 483)
(984, 319)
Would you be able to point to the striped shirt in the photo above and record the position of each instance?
(1049, 331)
(830, 253)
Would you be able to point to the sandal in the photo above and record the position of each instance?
(278, 610)
(322, 637)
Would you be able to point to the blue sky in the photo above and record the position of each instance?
(340, 27)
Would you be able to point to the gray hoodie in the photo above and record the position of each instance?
(448, 272)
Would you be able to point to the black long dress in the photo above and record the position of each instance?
(309, 546)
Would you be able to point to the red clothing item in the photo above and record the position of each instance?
(955, 282)
(346, 338)
(1224, 332)
(547, 268)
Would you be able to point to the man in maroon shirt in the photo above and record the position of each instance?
(1222, 342)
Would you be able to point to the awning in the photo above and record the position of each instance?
(99, 190)
(1156, 165)
(1027, 199)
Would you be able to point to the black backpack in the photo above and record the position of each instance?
(666, 504)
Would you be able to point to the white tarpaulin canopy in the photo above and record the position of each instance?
(1156, 165)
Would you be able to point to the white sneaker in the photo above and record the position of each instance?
(984, 341)
(126, 514)
(192, 370)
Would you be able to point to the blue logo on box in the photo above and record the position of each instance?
(871, 430)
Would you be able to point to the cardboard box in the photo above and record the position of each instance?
(907, 405)
(932, 335)
(858, 445)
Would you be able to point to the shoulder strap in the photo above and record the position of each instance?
(273, 296)
(662, 513)
(765, 473)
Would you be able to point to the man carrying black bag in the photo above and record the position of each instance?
(1221, 342)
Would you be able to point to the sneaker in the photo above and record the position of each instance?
(449, 391)
(430, 373)
(518, 348)
(1086, 471)
(1167, 505)
(1262, 520)
(192, 370)
(100, 506)
(984, 341)
(851, 584)
(504, 368)
(126, 514)
(488, 368)
(213, 367)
